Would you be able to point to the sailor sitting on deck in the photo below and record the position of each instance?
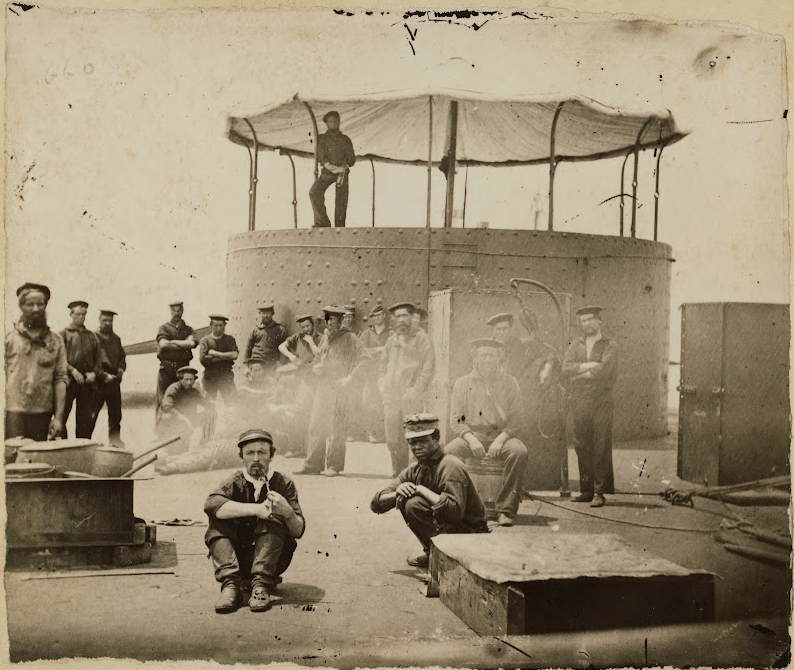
(178, 411)
(436, 494)
(254, 520)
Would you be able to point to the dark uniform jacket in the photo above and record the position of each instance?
(82, 350)
(460, 504)
(335, 148)
(238, 489)
(341, 355)
(175, 331)
(298, 346)
(223, 344)
(114, 357)
(263, 343)
(604, 352)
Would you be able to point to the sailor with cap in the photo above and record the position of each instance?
(179, 410)
(265, 338)
(436, 494)
(217, 353)
(349, 320)
(374, 339)
(301, 349)
(84, 362)
(340, 362)
(590, 365)
(536, 367)
(114, 364)
(484, 412)
(254, 521)
(36, 370)
(175, 343)
(406, 368)
(336, 156)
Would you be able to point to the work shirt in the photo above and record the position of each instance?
(340, 354)
(175, 330)
(407, 363)
(372, 339)
(335, 148)
(605, 353)
(485, 408)
(82, 350)
(263, 343)
(114, 358)
(298, 346)
(33, 366)
(460, 504)
(236, 488)
(185, 401)
(223, 344)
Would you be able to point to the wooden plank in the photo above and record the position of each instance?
(99, 573)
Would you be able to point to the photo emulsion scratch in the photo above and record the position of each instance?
(396, 338)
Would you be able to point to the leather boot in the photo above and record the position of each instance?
(229, 599)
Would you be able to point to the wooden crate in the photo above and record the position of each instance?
(527, 581)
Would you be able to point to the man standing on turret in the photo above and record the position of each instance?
(336, 156)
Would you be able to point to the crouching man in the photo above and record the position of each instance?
(254, 520)
(436, 494)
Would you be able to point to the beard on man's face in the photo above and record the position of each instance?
(35, 319)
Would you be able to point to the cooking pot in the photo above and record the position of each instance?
(75, 454)
(115, 462)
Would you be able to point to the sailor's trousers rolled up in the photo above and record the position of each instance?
(514, 455)
(262, 555)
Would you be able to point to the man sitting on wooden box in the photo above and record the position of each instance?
(436, 494)
(485, 416)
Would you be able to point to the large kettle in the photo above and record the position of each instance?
(115, 462)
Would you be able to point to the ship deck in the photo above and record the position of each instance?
(350, 600)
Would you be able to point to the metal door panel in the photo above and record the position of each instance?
(699, 392)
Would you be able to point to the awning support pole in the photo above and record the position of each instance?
(253, 179)
(372, 166)
(553, 164)
(316, 138)
(465, 195)
(429, 161)
(656, 193)
(294, 192)
(623, 191)
(636, 172)
(452, 159)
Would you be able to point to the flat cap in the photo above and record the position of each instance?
(377, 309)
(77, 303)
(487, 342)
(328, 115)
(30, 286)
(253, 434)
(265, 304)
(107, 312)
(595, 310)
(333, 310)
(174, 303)
(421, 311)
(305, 317)
(498, 318)
(186, 369)
(419, 425)
(403, 305)
(218, 317)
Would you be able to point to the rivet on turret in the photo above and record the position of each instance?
(328, 265)
(353, 283)
(379, 282)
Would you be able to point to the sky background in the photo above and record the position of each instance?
(122, 189)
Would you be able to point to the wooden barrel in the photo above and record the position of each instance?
(486, 474)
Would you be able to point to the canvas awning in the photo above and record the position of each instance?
(491, 130)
